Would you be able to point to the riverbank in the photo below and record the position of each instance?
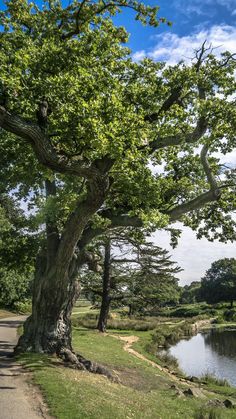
(143, 391)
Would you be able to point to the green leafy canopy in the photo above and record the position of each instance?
(104, 105)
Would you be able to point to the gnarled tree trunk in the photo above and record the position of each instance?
(48, 329)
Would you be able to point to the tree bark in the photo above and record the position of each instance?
(48, 329)
(130, 312)
(106, 284)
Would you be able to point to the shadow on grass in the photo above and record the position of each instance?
(11, 323)
(34, 361)
(83, 331)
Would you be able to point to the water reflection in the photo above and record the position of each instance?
(222, 342)
(212, 352)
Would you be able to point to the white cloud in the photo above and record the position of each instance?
(139, 55)
(202, 7)
(172, 48)
(193, 255)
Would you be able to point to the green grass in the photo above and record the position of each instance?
(84, 310)
(211, 379)
(87, 318)
(76, 395)
(144, 392)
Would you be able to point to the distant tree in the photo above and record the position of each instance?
(18, 242)
(17, 251)
(190, 294)
(152, 283)
(219, 283)
(138, 275)
(14, 287)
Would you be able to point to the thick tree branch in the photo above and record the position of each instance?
(201, 126)
(77, 221)
(210, 177)
(189, 138)
(90, 259)
(43, 148)
(122, 220)
(52, 232)
(170, 101)
(199, 202)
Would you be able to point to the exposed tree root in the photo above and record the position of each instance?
(77, 361)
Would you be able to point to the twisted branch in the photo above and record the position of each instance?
(46, 154)
(210, 177)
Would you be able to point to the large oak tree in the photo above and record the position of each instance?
(82, 122)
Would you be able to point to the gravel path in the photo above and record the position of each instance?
(18, 398)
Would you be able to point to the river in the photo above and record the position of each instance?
(212, 351)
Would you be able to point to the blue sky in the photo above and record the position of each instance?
(187, 17)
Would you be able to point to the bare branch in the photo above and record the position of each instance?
(200, 55)
(226, 61)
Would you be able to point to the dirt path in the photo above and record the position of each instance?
(129, 340)
(18, 399)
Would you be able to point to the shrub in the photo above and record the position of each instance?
(14, 287)
(23, 307)
(169, 335)
(230, 315)
(167, 359)
(186, 312)
(89, 320)
(218, 320)
(192, 311)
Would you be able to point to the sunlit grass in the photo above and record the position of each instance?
(143, 391)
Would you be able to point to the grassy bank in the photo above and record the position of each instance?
(143, 391)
